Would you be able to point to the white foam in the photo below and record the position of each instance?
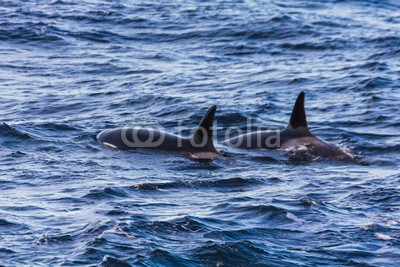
(294, 217)
(383, 236)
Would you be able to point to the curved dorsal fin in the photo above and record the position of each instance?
(204, 134)
(298, 118)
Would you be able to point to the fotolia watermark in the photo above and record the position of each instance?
(155, 135)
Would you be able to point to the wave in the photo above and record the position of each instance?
(204, 184)
(268, 215)
(8, 227)
(109, 261)
(380, 198)
(105, 193)
(9, 132)
(32, 33)
(234, 254)
(72, 68)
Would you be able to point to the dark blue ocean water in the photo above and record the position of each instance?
(69, 69)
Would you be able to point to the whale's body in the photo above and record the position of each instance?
(295, 138)
(199, 145)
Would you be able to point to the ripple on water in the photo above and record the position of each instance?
(70, 69)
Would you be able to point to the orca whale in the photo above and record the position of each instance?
(295, 139)
(199, 146)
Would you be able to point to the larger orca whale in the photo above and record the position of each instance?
(199, 146)
(295, 139)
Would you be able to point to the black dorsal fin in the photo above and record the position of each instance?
(298, 118)
(203, 135)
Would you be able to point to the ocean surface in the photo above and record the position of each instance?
(70, 69)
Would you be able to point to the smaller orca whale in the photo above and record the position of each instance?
(296, 139)
(199, 146)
